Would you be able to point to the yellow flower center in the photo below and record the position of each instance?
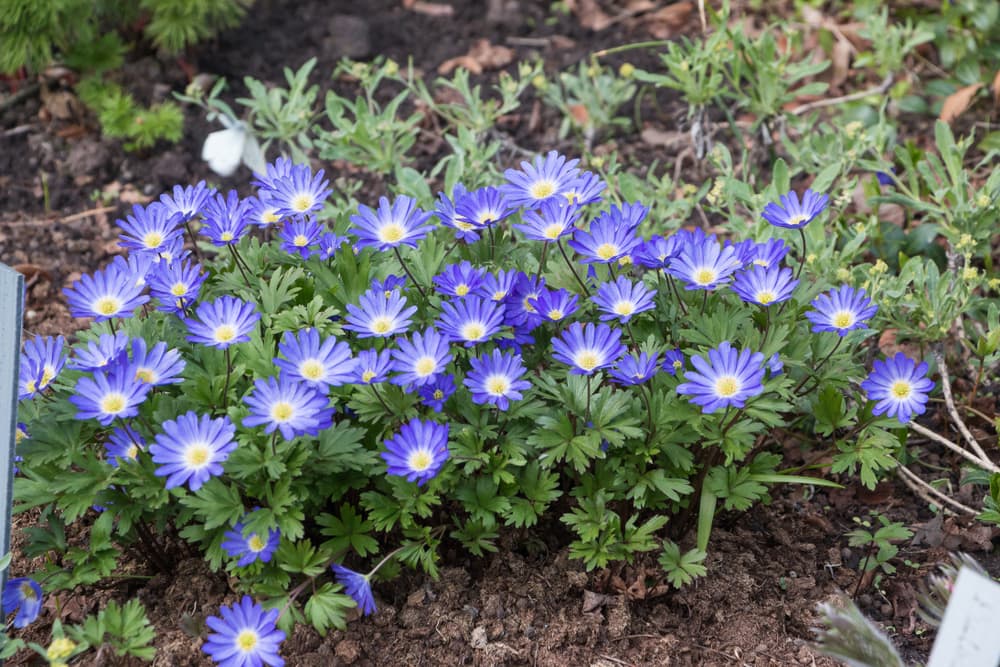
(381, 325)
(553, 231)
(473, 331)
(48, 372)
(282, 411)
(19, 435)
(798, 220)
(420, 460)
(842, 319)
(497, 385)
(132, 453)
(197, 455)
(705, 276)
(227, 236)
(425, 366)
(588, 360)
(765, 297)
(462, 290)
(391, 233)
(486, 218)
(301, 241)
(113, 403)
(625, 260)
(27, 592)
(311, 369)
(152, 240)
(178, 289)
(607, 250)
(624, 308)
(527, 306)
(145, 375)
(678, 365)
(246, 641)
(901, 389)
(255, 544)
(542, 189)
(270, 216)
(302, 202)
(367, 376)
(438, 395)
(464, 226)
(726, 386)
(499, 296)
(555, 314)
(224, 333)
(31, 386)
(762, 262)
(108, 305)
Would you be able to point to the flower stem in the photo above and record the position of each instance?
(225, 387)
(239, 265)
(802, 260)
(815, 371)
(194, 240)
(381, 400)
(541, 262)
(409, 275)
(649, 413)
(573, 269)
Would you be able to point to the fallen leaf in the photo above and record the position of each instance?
(593, 601)
(33, 271)
(429, 8)
(590, 14)
(958, 102)
(841, 58)
(664, 138)
(665, 23)
(579, 114)
(467, 62)
(481, 56)
(996, 88)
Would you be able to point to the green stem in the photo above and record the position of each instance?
(541, 262)
(572, 269)
(815, 371)
(802, 262)
(409, 275)
(239, 265)
(225, 387)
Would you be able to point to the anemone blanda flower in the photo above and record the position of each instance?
(497, 379)
(419, 358)
(107, 293)
(187, 201)
(299, 236)
(470, 320)
(176, 285)
(299, 192)
(435, 394)
(764, 286)
(497, 286)
(608, 239)
(294, 408)
(99, 354)
(555, 305)
(657, 252)
(106, 397)
(899, 386)
(379, 313)
(775, 366)
(150, 229)
(357, 586)
(320, 362)
(728, 378)
(390, 226)
(154, 366)
(418, 451)
(465, 231)
(704, 265)
(673, 361)
(223, 322)
(123, 446)
(23, 595)
(842, 309)
(46, 355)
(550, 223)
(769, 254)
(543, 180)
(588, 348)
(262, 212)
(518, 309)
(622, 299)
(585, 189)
(275, 171)
(192, 449)
(795, 214)
(372, 366)
(250, 547)
(329, 243)
(459, 279)
(244, 635)
(744, 250)
(482, 208)
(226, 219)
(391, 282)
(635, 369)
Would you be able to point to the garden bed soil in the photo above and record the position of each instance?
(62, 186)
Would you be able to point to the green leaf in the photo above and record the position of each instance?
(682, 569)
(328, 607)
(349, 531)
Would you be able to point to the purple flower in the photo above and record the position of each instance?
(673, 361)
(764, 286)
(250, 547)
(418, 451)
(459, 279)
(192, 449)
(226, 219)
(555, 305)
(622, 299)
(635, 369)
(497, 379)
(704, 265)
(379, 313)
(105, 294)
(841, 310)
(294, 408)
(552, 222)
(244, 635)
(299, 236)
(588, 348)
(23, 595)
(470, 320)
(728, 378)
(795, 214)
(357, 586)
(187, 202)
(108, 397)
(390, 227)
(156, 366)
(610, 238)
(418, 359)
(151, 229)
(899, 386)
(223, 322)
(373, 367)
(298, 192)
(321, 363)
(176, 286)
(545, 180)
(435, 394)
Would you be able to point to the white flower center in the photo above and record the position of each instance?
(542, 189)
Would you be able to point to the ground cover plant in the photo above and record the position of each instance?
(316, 390)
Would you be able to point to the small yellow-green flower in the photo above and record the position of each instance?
(61, 647)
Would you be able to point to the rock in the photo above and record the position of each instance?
(479, 639)
(347, 37)
(348, 650)
(86, 157)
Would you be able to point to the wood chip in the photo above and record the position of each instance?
(590, 15)
(958, 102)
(429, 8)
(996, 88)
(481, 57)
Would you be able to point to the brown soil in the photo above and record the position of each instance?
(528, 605)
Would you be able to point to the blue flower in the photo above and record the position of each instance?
(764, 286)
(99, 354)
(107, 397)
(24, 595)
(545, 180)
(555, 305)
(482, 208)
(585, 189)
(622, 299)
(609, 238)
(263, 212)
(357, 586)
(294, 408)
(775, 366)
(299, 236)
(704, 265)
(588, 348)
(435, 394)
(41, 362)
(373, 367)
(329, 243)
(550, 223)
(105, 294)
(673, 361)
(635, 369)
(151, 229)
(299, 192)
(769, 254)
(899, 387)
(156, 366)
(470, 320)
(728, 378)
(795, 214)
(244, 635)
(123, 446)
(390, 227)
(519, 312)
(250, 547)
(419, 359)
(497, 286)
(459, 279)
(192, 449)
(657, 252)
(223, 322)
(465, 231)
(841, 310)
(321, 363)
(418, 451)
(280, 169)
(391, 282)
(176, 286)
(187, 202)
(497, 379)
(379, 313)
(226, 219)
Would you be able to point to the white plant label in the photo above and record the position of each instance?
(969, 635)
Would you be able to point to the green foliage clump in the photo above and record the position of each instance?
(123, 118)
